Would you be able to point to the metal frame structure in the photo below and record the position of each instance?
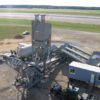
(41, 40)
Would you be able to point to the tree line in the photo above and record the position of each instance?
(49, 7)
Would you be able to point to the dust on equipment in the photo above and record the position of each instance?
(69, 93)
(41, 40)
(33, 71)
(37, 60)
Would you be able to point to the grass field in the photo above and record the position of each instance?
(77, 26)
(10, 27)
(53, 11)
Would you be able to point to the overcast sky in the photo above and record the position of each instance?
(89, 3)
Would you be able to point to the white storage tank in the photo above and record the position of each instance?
(24, 50)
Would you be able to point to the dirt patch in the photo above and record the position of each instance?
(18, 36)
(8, 44)
(7, 77)
(86, 40)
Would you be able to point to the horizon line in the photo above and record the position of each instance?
(45, 5)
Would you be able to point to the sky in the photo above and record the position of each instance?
(87, 3)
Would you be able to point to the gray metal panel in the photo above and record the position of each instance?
(37, 44)
(41, 31)
(41, 39)
(94, 59)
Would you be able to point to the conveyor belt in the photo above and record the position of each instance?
(78, 50)
(75, 52)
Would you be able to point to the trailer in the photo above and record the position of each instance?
(83, 72)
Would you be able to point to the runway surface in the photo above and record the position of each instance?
(55, 17)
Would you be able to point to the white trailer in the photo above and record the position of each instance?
(84, 72)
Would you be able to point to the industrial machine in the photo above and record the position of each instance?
(69, 93)
(34, 62)
(37, 60)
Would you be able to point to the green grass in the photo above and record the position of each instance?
(77, 26)
(53, 11)
(10, 27)
(15, 21)
(10, 31)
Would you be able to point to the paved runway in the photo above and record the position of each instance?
(56, 17)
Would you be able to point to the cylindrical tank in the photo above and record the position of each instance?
(24, 50)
